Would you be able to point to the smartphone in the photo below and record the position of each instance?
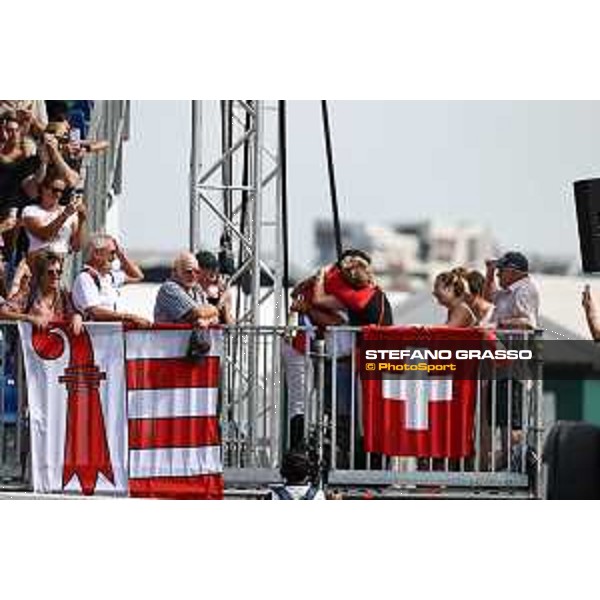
(75, 135)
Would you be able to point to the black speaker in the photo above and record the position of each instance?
(587, 205)
(572, 453)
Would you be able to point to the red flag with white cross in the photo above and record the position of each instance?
(421, 413)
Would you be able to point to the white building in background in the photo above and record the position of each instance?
(408, 256)
(468, 245)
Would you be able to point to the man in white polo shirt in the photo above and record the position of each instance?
(516, 306)
(96, 289)
(517, 302)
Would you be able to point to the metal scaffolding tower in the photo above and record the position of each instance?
(236, 203)
(235, 194)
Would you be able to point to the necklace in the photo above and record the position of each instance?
(54, 305)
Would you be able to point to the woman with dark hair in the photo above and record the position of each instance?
(49, 224)
(17, 162)
(42, 299)
(482, 308)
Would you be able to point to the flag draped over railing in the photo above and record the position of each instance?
(417, 413)
(173, 428)
(123, 412)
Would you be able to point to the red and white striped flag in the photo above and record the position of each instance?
(172, 407)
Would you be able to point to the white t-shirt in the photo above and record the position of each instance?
(86, 293)
(61, 242)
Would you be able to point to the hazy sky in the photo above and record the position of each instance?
(507, 165)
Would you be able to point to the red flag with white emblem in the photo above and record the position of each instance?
(421, 414)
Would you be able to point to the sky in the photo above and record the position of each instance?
(505, 165)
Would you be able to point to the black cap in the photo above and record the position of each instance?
(207, 260)
(513, 260)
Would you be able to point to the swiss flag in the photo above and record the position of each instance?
(417, 414)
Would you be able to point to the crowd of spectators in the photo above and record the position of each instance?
(43, 220)
(506, 297)
(43, 217)
(41, 296)
(42, 146)
(346, 293)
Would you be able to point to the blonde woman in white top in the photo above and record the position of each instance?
(450, 289)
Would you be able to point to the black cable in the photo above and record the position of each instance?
(331, 173)
(244, 282)
(225, 256)
(284, 203)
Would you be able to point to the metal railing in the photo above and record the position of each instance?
(507, 432)
(265, 382)
(13, 411)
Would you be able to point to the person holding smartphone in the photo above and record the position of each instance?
(50, 225)
(213, 286)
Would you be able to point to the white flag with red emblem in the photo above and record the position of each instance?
(75, 393)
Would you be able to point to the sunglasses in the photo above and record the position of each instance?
(55, 272)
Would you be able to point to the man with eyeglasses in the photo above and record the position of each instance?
(96, 289)
(180, 299)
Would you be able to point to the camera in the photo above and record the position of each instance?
(69, 195)
(199, 344)
(213, 294)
